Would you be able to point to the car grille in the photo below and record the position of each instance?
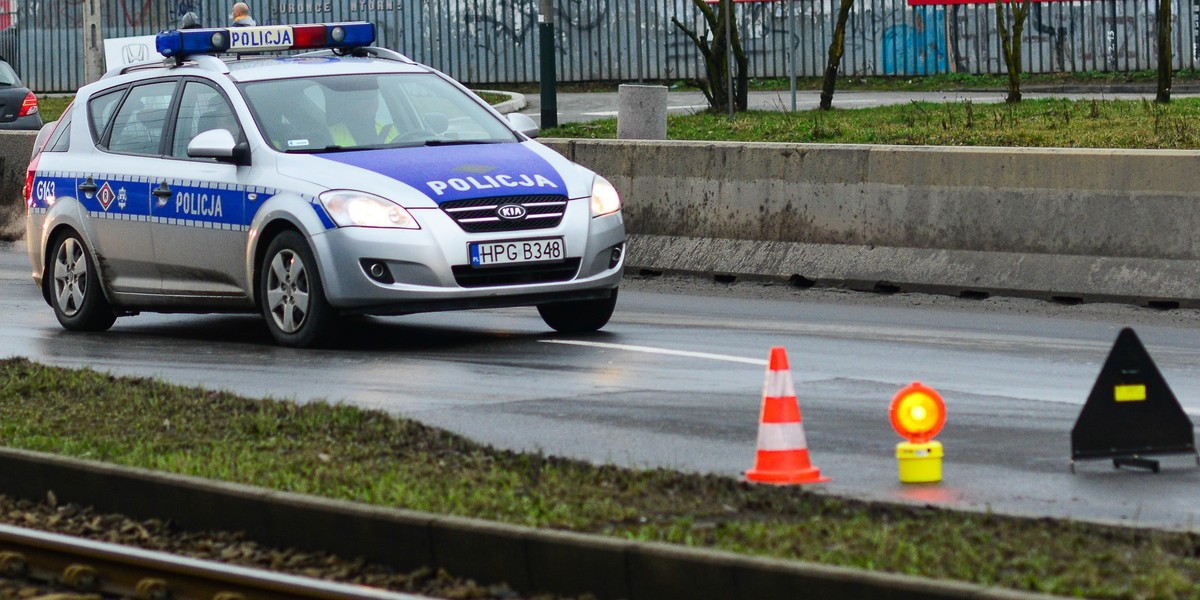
(478, 215)
(470, 277)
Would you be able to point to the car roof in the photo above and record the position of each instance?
(287, 67)
(243, 68)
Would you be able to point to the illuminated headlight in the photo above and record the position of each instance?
(357, 209)
(605, 199)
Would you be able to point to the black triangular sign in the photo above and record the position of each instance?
(1131, 410)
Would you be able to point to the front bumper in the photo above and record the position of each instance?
(419, 265)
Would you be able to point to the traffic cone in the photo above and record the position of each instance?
(782, 448)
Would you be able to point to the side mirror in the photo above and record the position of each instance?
(523, 124)
(219, 144)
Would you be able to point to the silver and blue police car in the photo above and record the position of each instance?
(345, 180)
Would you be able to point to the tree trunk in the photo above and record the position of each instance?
(716, 57)
(1010, 44)
(1164, 52)
(836, 49)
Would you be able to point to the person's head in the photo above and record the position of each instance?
(189, 21)
(240, 10)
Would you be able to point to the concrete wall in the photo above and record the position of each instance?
(1070, 224)
(15, 148)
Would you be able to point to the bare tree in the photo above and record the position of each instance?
(1010, 42)
(712, 44)
(836, 49)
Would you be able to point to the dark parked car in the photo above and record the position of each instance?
(18, 105)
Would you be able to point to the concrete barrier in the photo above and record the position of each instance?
(1071, 225)
(1086, 225)
(15, 148)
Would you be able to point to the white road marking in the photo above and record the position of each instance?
(666, 351)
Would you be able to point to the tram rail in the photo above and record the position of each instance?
(110, 569)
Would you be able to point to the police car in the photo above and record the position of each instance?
(344, 180)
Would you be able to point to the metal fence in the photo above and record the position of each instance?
(495, 41)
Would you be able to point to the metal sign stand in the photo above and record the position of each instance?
(793, 45)
(729, 62)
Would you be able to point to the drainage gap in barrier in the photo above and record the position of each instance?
(974, 295)
(883, 287)
(725, 278)
(1162, 304)
(800, 281)
(650, 273)
(1068, 300)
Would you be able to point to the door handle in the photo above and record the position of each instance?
(88, 187)
(163, 191)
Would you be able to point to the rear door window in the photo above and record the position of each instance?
(137, 127)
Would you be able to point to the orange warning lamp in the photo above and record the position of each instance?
(917, 414)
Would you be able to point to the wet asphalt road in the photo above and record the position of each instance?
(675, 380)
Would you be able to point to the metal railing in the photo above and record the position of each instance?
(495, 41)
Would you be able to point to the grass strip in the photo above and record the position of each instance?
(366, 456)
(1057, 123)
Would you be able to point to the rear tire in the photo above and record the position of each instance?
(579, 316)
(291, 295)
(74, 285)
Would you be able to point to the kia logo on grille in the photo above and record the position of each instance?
(511, 212)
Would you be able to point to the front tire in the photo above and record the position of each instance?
(75, 292)
(292, 297)
(579, 316)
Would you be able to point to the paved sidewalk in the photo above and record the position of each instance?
(575, 107)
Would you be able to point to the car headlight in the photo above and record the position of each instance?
(605, 199)
(348, 208)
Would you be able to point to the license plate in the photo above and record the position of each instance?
(484, 254)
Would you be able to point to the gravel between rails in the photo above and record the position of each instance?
(226, 547)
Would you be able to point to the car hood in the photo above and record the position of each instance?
(425, 177)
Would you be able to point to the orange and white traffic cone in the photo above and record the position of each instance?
(782, 447)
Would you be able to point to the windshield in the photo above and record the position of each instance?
(358, 112)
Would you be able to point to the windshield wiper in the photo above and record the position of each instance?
(330, 148)
(459, 142)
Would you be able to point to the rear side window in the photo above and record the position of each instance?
(101, 109)
(137, 128)
(61, 140)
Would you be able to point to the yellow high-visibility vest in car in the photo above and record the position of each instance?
(342, 137)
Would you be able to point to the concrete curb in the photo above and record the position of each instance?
(529, 560)
(514, 103)
(963, 273)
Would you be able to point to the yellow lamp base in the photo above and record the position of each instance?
(919, 463)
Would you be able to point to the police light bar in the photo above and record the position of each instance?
(178, 44)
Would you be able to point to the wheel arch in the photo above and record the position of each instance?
(56, 232)
(267, 234)
(280, 213)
